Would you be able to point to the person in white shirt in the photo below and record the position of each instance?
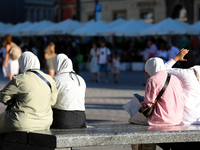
(172, 51)
(69, 110)
(103, 54)
(189, 76)
(115, 67)
(162, 53)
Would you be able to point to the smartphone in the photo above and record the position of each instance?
(139, 96)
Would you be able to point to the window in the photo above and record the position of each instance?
(119, 14)
(147, 16)
(38, 15)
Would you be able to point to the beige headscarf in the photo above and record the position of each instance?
(154, 65)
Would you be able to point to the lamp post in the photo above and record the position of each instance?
(96, 3)
(78, 10)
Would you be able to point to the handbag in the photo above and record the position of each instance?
(147, 111)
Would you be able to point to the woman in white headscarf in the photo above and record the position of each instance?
(69, 110)
(28, 97)
(169, 108)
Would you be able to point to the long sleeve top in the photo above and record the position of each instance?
(169, 108)
(191, 91)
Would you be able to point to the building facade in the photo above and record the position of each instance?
(149, 10)
(37, 10)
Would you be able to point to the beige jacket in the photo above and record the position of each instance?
(34, 99)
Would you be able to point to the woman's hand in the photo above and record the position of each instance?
(180, 55)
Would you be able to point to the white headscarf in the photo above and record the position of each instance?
(28, 61)
(154, 65)
(62, 63)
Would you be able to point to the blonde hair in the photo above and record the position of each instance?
(7, 40)
(47, 49)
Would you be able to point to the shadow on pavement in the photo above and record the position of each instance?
(104, 106)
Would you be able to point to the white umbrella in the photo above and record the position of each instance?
(144, 23)
(165, 27)
(64, 27)
(194, 29)
(97, 28)
(13, 30)
(116, 22)
(183, 24)
(129, 28)
(36, 28)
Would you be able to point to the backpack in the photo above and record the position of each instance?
(15, 52)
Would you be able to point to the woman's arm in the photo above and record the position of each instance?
(47, 56)
(8, 92)
(8, 47)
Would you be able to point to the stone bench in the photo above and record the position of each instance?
(99, 135)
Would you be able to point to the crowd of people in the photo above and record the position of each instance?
(63, 94)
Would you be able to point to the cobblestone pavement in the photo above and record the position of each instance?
(104, 101)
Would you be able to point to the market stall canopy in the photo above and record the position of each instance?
(36, 28)
(183, 24)
(144, 23)
(194, 29)
(13, 30)
(4, 26)
(64, 27)
(165, 27)
(97, 28)
(116, 22)
(129, 28)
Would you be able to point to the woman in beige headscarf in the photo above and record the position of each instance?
(29, 98)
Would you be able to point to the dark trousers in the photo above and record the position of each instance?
(63, 119)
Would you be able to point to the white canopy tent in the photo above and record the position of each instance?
(144, 23)
(36, 28)
(183, 24)
(4, 27)
(165, 27)
(13, 30)
(129, 28)
(194, 29)
(97, 28)
(64, 27)
(116, 22)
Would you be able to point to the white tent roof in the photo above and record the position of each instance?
(36, 28)
(13, 30)
(165, 27)
(116, 22)
(144, 23)
(64, 27)
(194, 29)
(129, 28)
(183, 24)
(97, 28)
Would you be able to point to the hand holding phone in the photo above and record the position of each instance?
(139, 97)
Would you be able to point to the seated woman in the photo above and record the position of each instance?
(189, 76)
(69, 110)
(29, 98)
(169, 108)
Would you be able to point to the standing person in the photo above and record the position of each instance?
(103, 59)
(94, 68)
(3, 54)
(152, 52)
(29, 98)
(162, 53)
(49, 56)
(69, 110)
(172, 51)
(10, 65)
(115, 67)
